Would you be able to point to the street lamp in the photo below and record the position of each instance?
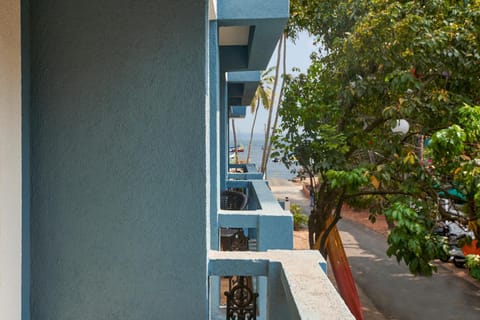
(401, 126)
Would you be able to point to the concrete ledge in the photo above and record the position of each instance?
(244, 77)
(237, 219)
(308, 292)
(250, 172)
(227, 263)
(246, 176)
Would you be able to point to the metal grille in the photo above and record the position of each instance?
(241, 300)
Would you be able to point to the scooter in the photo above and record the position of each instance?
(453, 232)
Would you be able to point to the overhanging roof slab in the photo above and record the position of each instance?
(252, 9)
(244, 76)
(266, 19)
(242, 86)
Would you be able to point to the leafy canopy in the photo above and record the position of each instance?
(385, 61)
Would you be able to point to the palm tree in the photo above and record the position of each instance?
(262, 96)
(235, 148)
(269, 121)
(280, 96)
(271, 130)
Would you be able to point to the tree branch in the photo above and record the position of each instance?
(386, 192)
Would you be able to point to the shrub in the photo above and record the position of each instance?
(472, 261)
(299, 218)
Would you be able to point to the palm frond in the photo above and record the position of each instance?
(265, 96)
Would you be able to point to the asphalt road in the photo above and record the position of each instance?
(387, 287)
(395, 292)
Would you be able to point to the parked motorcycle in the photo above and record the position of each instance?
(453, 233)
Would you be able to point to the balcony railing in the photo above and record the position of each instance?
(263, 216)
(291, 284)
(244, 172)
(296, 286)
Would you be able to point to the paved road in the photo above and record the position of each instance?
(395, 292)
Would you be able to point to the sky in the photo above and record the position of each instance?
(298, 55)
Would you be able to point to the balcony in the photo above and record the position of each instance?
(263, 218)
(293, 284)
(244, 172)
(238, 112)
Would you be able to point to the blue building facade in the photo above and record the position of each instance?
(114, 152)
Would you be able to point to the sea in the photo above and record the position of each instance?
(274, 169)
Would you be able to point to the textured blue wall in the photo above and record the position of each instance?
(214, 76)
(118, 202)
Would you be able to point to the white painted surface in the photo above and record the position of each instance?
(10, 161)
(233, 35)
(212, 9)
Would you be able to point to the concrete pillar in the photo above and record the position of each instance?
(214, 133)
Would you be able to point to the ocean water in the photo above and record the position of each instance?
(274, 169)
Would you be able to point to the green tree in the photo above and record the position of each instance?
(386, 61)
(455, 151)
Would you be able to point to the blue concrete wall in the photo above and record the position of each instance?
(214, 76)
(278, 308)
(118, 201)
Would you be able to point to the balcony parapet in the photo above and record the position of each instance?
(241, 87)
(238, 112)
(249, 172)
(307, 292)
(274, 226)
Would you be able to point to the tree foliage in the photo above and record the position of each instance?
(387, 60)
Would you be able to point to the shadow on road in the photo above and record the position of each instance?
(397, 293)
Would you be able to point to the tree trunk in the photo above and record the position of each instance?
(274, 128)
(235, 141)
(324, 216)
(251, 131)
(270, 111)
